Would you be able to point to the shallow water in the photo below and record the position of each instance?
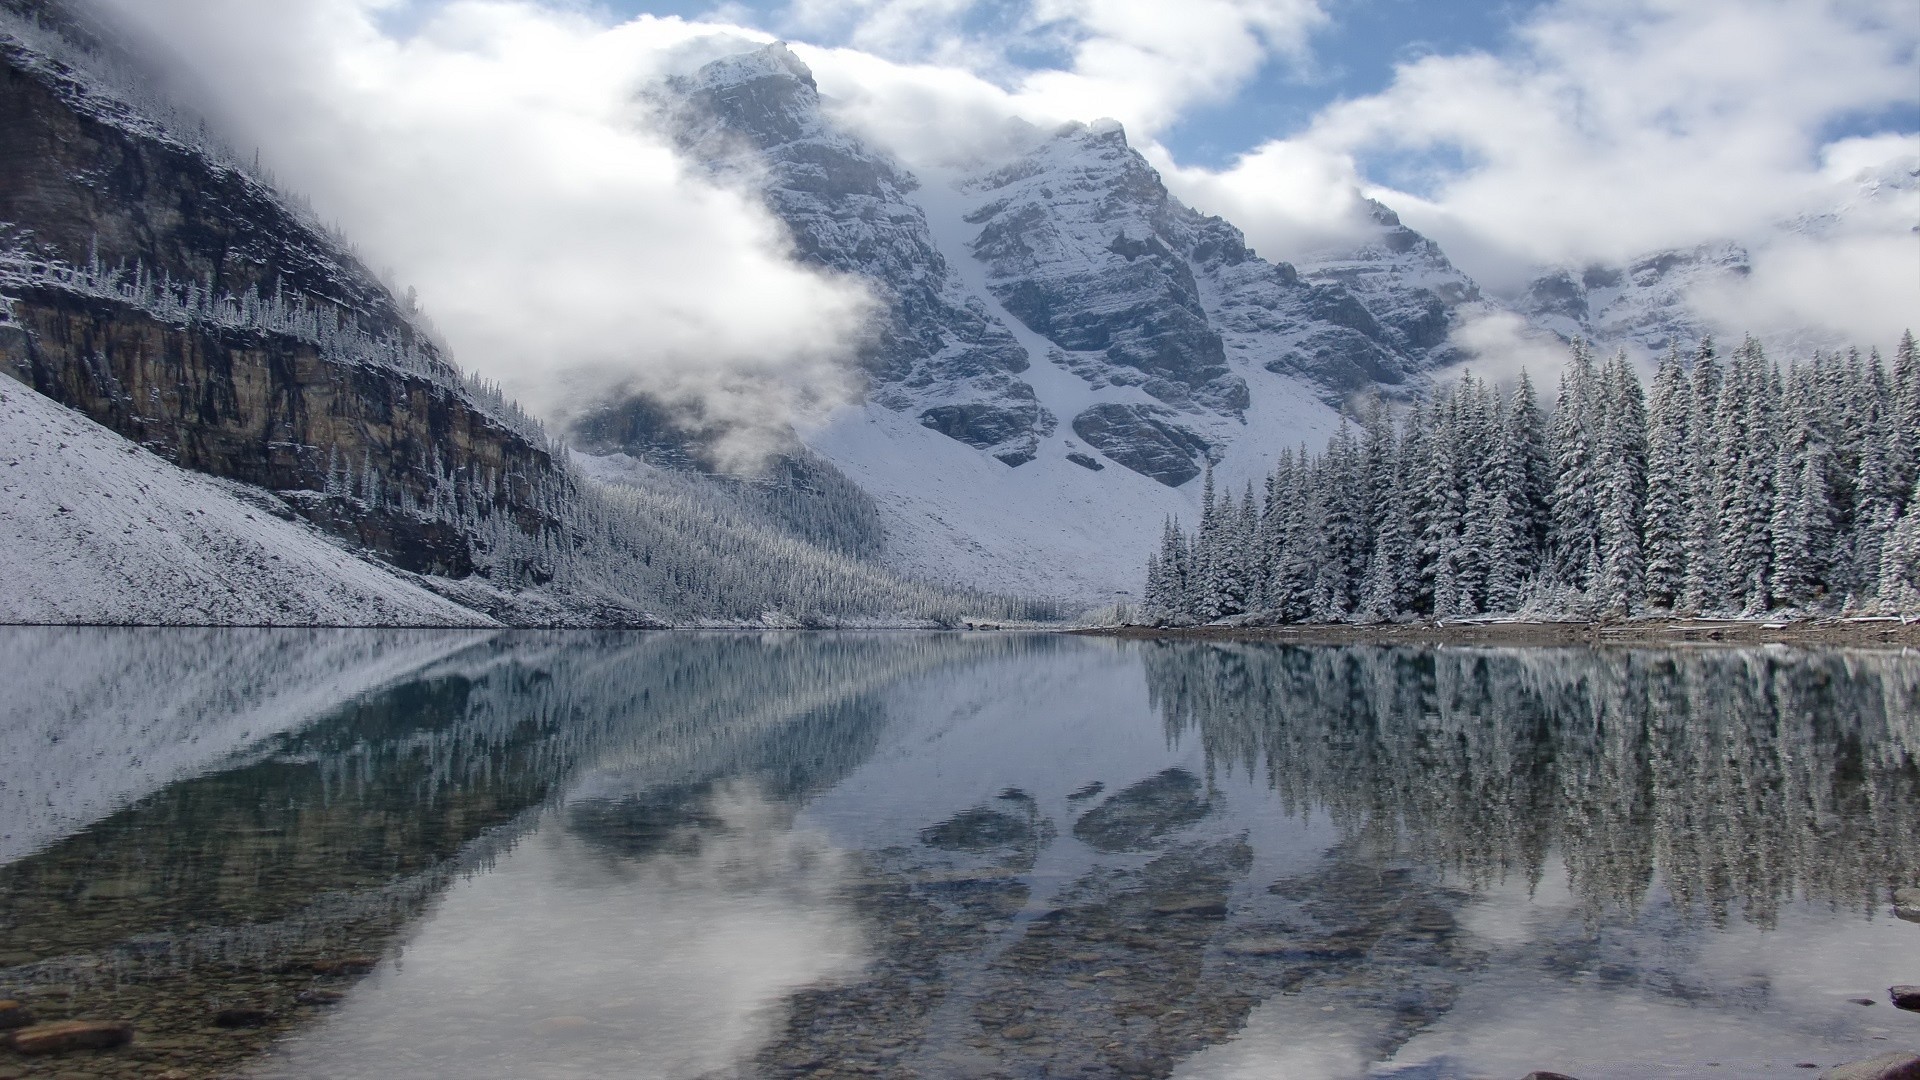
(691, 855)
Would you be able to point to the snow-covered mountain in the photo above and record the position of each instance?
(1649, 303)
(1670, 297)
(1064, 346)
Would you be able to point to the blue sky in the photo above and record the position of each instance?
(1354, 55)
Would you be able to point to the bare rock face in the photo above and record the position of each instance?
(1083, 244)
(1070, 235)
(1646, 302)
(181, 302)
(933, 349)
(1146, 439)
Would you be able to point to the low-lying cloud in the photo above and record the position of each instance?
(496, 157)
(494, 154)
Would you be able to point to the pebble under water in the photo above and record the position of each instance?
(342, 854)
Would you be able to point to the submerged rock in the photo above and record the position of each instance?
(978, 829)
(244, 1017)
(1905, 997)
(1906, 904)
(14, 1015)
(62, 1036)
(1137, 818)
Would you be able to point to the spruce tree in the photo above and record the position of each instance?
(1665, 531)
(1703, 585)
(1620, 464)
(1576, 482)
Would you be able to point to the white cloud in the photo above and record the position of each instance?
(496, 159)
(493, 156)
(1143, 62)
(1617, 128)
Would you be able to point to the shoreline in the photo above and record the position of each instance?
(1885, 633)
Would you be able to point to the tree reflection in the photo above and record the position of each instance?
(1733, 779)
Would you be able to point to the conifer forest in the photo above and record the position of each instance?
(1728, 486)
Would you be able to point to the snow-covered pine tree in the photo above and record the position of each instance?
(1576, 481)
(1341, 489)
(1530, 451)
(1251, 553)
(1664, 523)
(1621, 464)
(1384, 590)
(1480, 422)
(1445, 499)
(1703, 583)
(1747, 449)
(1509, 552)
(1801, 528)
(1206, 543)
(1900, 560)
(1289, 553)
(1904, 448)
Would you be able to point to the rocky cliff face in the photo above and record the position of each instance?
(934, 350)
(1648, 303)
(1068, 260)
(182, 303)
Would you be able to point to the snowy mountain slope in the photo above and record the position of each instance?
(102, 718)
(98, 530)
(1672, 297)
(934, 351)
(1647, 304)
(1078, 343)
(1072, 522)
(1400, 280)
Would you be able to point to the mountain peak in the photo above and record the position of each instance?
(774, 61)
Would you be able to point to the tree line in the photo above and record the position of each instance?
(1727, 487)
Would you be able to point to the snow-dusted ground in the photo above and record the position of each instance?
(1049, 527)
(97, 718)
(95, 529)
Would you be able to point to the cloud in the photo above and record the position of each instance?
(972, 64)
(494, 157)
(492, 154)
(1613, 129)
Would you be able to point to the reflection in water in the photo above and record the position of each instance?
(1744, 777)
(663, 965)
(729, 855)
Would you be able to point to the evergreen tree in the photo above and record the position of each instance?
(1668, 490)
(1900, 560)
(1620, 464)
(1703, 584)
(1576, 479)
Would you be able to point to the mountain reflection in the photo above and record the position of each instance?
(1733, 779)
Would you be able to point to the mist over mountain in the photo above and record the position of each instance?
(992, 354)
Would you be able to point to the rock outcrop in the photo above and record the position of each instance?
(933, 350)
(178, 300)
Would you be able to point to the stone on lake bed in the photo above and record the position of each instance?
(1899, 1065)
(1906, 904)
(318, 997)
(1543, 1074)
(345, 965)
(1905, 997)
(243, 1017)
(61, 1036)
(1199, 906)
(14, 1015)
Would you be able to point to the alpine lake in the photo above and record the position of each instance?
(345, 854)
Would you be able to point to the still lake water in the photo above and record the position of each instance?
(424, 854)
